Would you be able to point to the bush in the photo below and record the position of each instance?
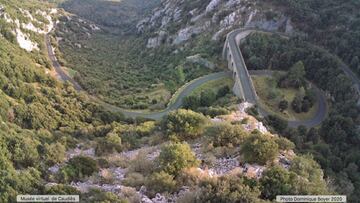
(62, 190)
(192, 177)
(160, 182)
(176, 156)
(276, 181)
(185, 124)
(110, 144)
(296, 104)
(134, 180)
(97, 196)
(223, 91)
(141, 164)
(191, 102)
(54, 153)
(78, 168)
(259, 148)
(277, 123)
(283, 105)
(284, 144)
(225, 134)
(228, 189)
(207, 98)
(213, 111)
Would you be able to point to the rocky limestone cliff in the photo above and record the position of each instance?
(181, 19)
(26, 23)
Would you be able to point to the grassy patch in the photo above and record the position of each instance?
(214, 85)
(270, 96)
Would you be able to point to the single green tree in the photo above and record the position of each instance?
(296, 75)
(276, 181)
(283, 105)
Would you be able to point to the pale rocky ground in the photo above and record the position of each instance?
(22, 37)
(219, 166)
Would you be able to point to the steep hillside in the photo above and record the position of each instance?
(175, 22)
(38, 114)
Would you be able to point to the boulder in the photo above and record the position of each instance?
(159, 199)
(213, 5)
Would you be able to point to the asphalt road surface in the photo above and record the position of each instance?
(63, 76)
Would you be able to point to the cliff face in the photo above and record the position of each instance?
(176, 21)
(25, 23)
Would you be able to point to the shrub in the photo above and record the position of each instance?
(134, 180)
(225, 134)
(207, 98)
(54, 153)
(259, 148)
(61, 190)
(283, 105)
(228, 189)
(110, 144)
(160, 182)
(191, 102)
(185, 124)
(192, 177)
(223, 91)
(96, 195)
(276, 181)
(141, 164)
(176, 156)
(78, 168)
(277, 123)
(284, 144)
(213, 111)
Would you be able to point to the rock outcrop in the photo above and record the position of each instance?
(197, 59)
(181, 22)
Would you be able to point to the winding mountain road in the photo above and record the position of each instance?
(233, 40)
(175, 104)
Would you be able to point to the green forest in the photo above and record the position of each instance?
(329, 23)
(334, 144)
